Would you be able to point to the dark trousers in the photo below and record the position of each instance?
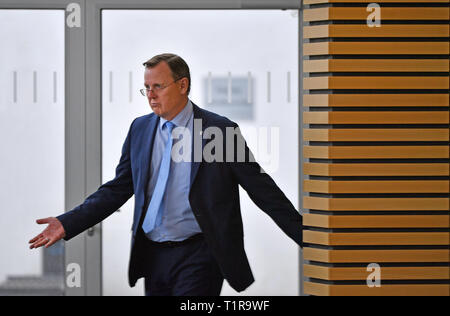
(182, 269)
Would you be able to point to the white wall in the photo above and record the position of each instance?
(258, 41)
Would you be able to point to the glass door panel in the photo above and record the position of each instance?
(32, 127)
(244, 65)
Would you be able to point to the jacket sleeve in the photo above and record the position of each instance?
(263, 191)
(106, 200)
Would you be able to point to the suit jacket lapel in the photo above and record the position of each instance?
(148, 140)
(198, 114)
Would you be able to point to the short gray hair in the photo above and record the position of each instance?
(177, 65)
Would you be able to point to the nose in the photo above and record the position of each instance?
(151, 94)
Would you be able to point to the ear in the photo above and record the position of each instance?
(184, 84)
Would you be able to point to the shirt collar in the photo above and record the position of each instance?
(182, 118)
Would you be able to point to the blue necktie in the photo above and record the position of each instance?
(154, 211)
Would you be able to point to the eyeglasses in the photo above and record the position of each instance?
(156, 88)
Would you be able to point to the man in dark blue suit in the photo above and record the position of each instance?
(187, 227)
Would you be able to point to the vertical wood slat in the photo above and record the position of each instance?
(375, 144)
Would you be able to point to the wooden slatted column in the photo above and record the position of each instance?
(375, 144)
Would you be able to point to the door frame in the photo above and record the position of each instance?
(83, 111)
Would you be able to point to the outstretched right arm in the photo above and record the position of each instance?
(105, 201)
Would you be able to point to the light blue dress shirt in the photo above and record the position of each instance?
(178, 221)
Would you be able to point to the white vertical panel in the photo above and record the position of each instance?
(31, 133)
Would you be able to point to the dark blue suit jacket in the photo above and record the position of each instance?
(214, 199)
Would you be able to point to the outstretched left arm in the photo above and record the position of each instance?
(265, 193)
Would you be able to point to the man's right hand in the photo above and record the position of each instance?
(53, 233)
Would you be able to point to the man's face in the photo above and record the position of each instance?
(171, 99)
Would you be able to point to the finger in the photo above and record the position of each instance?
(49, 243)
(36, 244)
(43, 220)
(41, 242)
(35, 238)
